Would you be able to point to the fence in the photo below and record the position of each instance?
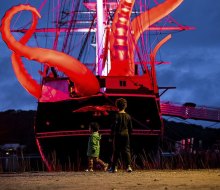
(14, 163)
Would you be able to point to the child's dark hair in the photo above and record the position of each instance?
(94, 126)
(121, 103)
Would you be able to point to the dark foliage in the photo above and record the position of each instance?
(17, 126)
(174, 131)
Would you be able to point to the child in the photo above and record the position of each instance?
(94, 148)
(121, 132)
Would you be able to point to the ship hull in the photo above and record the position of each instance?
(61, 128)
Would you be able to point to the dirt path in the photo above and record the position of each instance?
(137, 180)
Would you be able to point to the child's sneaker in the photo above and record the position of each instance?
(106, 167)
(129, 169)
(89, 170)
(113, 169)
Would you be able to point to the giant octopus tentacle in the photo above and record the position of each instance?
(123, 43)
(153, 58)
(85, 82)
(21, 73)
(142, 22)
(119, 39)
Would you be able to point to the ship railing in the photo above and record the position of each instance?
(56, 134)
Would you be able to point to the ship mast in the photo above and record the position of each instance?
(100, 35)
(103, 64)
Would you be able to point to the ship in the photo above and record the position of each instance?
(95, 52)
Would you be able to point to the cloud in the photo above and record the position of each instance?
(195, 73)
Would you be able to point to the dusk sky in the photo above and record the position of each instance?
(194, 58)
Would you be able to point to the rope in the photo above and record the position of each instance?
(86, 40)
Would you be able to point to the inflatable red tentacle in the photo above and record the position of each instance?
(146, 19)
(74, 69)
(122, 43)
(119, 40)
(153, 58)
(30, 84)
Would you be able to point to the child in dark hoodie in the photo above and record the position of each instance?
(93, 149)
